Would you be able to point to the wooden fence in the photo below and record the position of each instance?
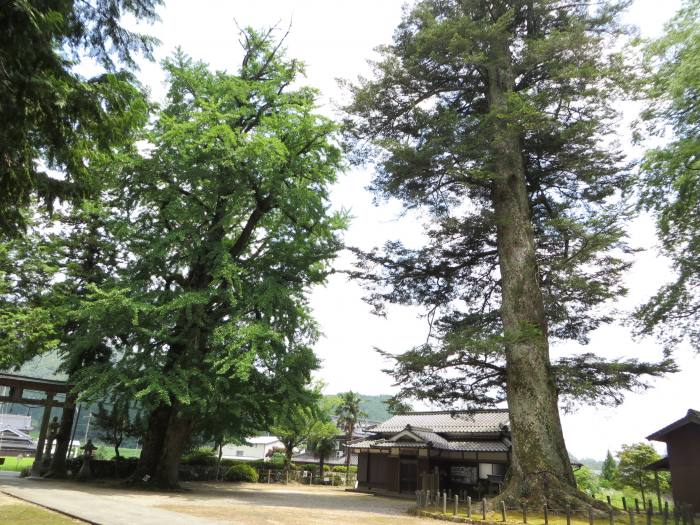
(306, 477)
(492, 510)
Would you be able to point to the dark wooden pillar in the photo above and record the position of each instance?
(46, 417)
(58, 460)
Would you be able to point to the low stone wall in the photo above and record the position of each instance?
(110, 469)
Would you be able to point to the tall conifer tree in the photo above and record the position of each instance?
(493, 118)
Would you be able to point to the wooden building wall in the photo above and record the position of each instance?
(684, 457)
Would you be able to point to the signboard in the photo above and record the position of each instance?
(464, 475)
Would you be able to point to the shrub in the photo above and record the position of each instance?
(200, 456)
(241, 472)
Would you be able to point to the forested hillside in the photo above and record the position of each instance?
(374, 406)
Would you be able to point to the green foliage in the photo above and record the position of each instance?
(670, 175)
(349, 412)
(200, 456)
(376, 408)
(342, 468)
(587, 481)
(609, 470)
(632, 460)
(116, 423)
(184, 286)
(296, 420)
(429, 119)
(241, 472)
(53, 118)
(322, 442)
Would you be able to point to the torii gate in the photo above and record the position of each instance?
(17, 385)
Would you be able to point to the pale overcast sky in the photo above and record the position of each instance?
(335, 38)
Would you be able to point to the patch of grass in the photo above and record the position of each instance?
(16, 464)
(630, 494)
(107, 452)
(24, 514)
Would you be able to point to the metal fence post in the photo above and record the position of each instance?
(444, 502)
(665, 511)
(524, 513)
(611, 515)
(590, 515)
(624, 503)
(568, 514)
(650, 511)
(631, 516)
(503, 510)
(469, 506)
(483, 508)
(546, 515)
(609, 500)
(456, 504)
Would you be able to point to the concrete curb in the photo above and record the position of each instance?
(53, 509)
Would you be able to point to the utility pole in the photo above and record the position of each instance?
(87, 427)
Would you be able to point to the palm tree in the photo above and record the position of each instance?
(322, 441)
(349, 413)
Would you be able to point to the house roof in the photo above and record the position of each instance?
(310, 457)
(448, 422)
(457, 446)
(22, 435)
(659, 464)
(18, 421)
(691, 418)
(261, 440)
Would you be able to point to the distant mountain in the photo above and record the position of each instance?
(42, 367)
(596, 465)
(374, 406)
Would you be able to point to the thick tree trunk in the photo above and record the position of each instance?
(540, 464)
(57, 468)
(153, 442)
(178, 432)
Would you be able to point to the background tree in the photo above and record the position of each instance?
(632, 460)
(53, 118)
(296, 420)
(609, 470)
(670, 175)
(587, 481)
(116, 423)
(490, 118)
(348, 412)
(322, 443)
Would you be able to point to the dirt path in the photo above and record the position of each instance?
(211, 503)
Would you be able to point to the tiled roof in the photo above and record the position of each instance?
(460, 421)
(308, 457)
(457, 446)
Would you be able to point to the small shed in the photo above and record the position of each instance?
(682, 440)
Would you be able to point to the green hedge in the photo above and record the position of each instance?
(341, 468)
(241, 472)
(200, 456)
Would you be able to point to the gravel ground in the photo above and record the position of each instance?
(216, 503)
